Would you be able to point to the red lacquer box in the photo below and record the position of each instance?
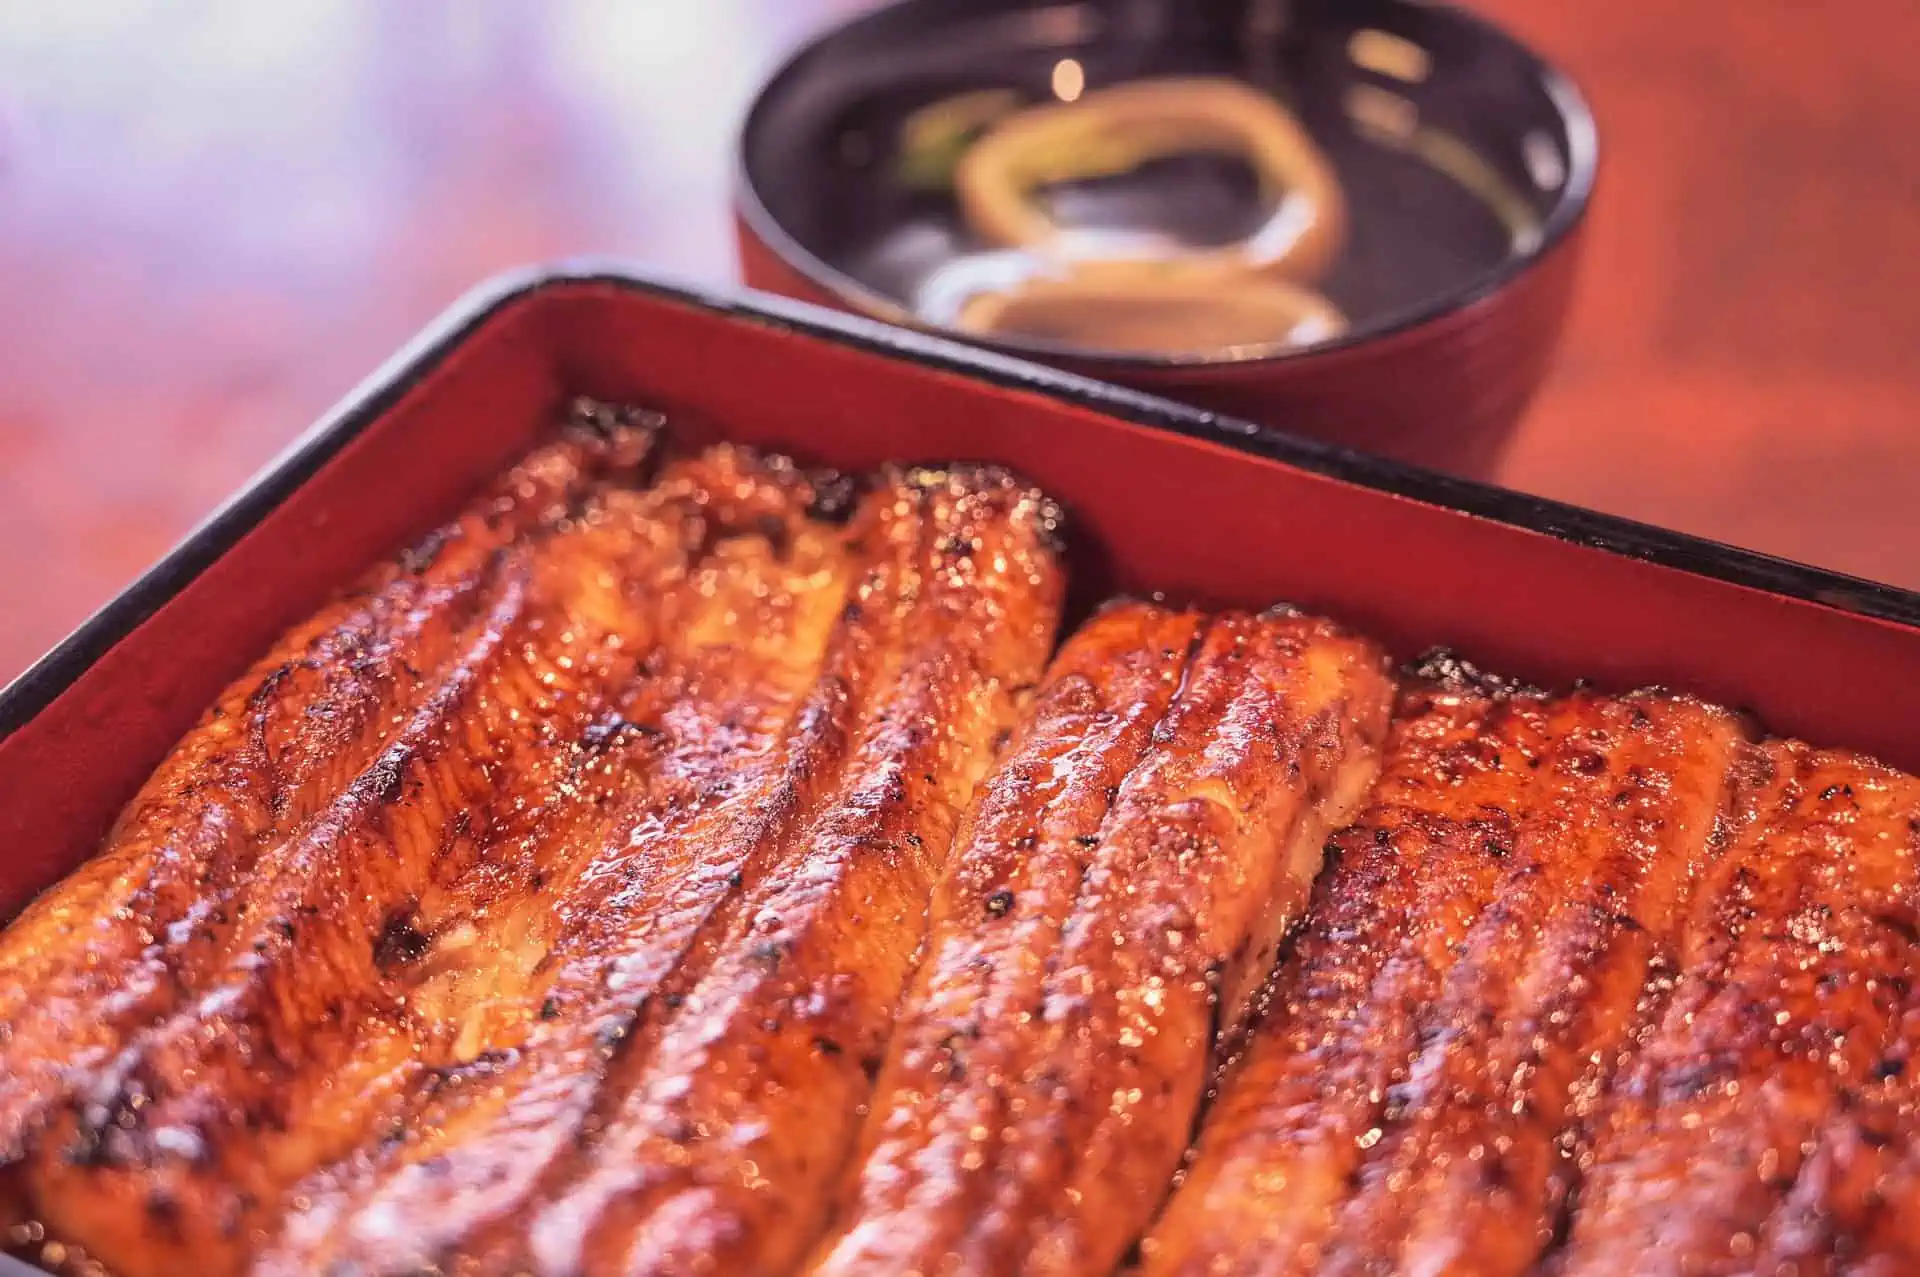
(1163, 498)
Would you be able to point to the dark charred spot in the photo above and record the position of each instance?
(1901, 922)
(827, 1046)
(270, 685)
(1000, 739)
(1691, 1081)
(850, 614)
(774, 531)
(736, 879)
(285, 927)
(1587, 762)
(834, 496)
(536, 880)
(400, 942)
(1891, 1067)
(870, 1065)
(1088, 840)
(421, 555)
(769, 955)
(999, 903)
(550, 1009)
(163, 1210)
(603, 733)
(1024, 842)
(388, 775)
(601, 420)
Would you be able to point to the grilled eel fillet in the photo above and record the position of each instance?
(175, 1148)
(1768, 1124)
(333, 968)
(1471, 966)
(730, 952)
(154, 920)
(1124, 884)
(119, 943)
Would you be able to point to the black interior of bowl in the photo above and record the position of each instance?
(821, 148)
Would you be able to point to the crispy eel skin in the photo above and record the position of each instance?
(1130, 871)
(1474, 964)
(1748, 1121)
(696, 1079)
(133, 934)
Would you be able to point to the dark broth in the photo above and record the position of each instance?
(1421, 226)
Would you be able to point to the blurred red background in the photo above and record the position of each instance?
(214, 219)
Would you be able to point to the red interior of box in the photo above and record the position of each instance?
(1154, 511)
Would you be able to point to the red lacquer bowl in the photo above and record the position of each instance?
(1464, 207)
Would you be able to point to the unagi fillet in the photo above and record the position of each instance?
(1472, 965)
(1732, 1130)
(179, 1146)
(131, 935)
(696, 742)
(705, 1031)
(350, 939)
(1127, 878)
